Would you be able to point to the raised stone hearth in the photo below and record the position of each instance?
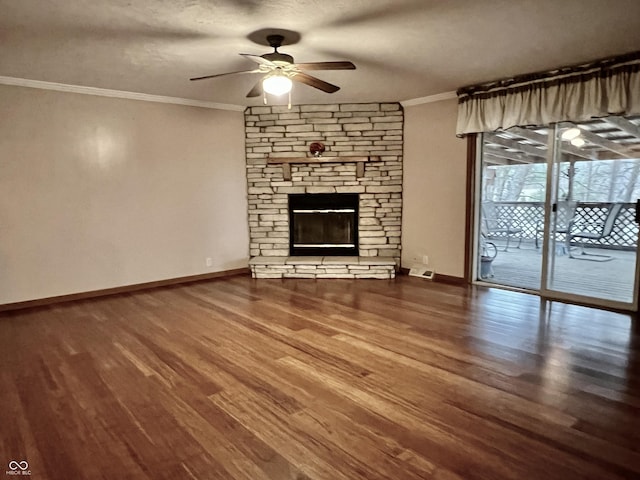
(323, 267)
(349, 132)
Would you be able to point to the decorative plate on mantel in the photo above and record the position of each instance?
(316, 149)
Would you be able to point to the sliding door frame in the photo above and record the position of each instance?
(471, 214)
(474, 179)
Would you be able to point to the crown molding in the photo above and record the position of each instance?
(429, 99)
(105, 92)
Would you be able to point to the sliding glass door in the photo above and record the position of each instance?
(556, 210)
(591, 247)
(513, 173)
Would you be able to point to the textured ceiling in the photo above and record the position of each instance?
(403, 49)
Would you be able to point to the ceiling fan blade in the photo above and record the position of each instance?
(256, 91)
(223, 74)
(259, 59)
(326, 66)
(315, 82)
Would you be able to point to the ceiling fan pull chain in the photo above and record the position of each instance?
(264, 97)
(289, 106)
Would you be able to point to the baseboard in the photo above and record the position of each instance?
(449, 279)
(40, 302)
(440, 278)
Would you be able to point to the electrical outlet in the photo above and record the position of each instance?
(425, 259)
(208, 261)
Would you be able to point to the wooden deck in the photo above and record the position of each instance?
(321, 380)
(522, 267)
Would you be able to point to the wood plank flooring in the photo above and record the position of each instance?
(308, 380)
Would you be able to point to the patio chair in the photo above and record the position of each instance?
(594, 231)
(499, 224)
(565, 215)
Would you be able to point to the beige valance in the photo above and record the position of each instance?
(598, 89)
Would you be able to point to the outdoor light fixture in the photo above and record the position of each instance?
(571, 134)
(577, 142)
(277, 84)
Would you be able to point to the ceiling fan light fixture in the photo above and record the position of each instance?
(279, 69)
(277, 84)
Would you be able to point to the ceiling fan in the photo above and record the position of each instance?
(280, 70)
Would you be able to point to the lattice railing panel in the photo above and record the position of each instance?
(529, 216)
(625, 230)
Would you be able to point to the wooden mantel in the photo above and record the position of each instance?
(287, 161)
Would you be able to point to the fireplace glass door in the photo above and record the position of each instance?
(323, 224)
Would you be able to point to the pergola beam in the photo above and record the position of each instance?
(527, 153)
(515, 145)
(491, 160)
(604, 142)
(514, 156)
(543, 140)
(625, 125)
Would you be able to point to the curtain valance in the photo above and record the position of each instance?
(598, 89)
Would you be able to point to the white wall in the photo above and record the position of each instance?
(99, 192)
(434, 188)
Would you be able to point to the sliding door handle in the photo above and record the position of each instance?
(638, 211)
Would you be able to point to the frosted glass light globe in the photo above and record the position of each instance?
(570, 134)
(277, 85)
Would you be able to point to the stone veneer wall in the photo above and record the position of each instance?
(346, 130)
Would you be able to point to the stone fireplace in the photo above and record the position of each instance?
(362, 164)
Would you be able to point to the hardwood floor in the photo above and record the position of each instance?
(308, 380)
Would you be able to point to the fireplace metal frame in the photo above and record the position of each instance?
(321, 204)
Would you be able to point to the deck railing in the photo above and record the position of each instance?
(529, 216)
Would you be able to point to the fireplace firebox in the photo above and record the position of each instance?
(323, 224)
